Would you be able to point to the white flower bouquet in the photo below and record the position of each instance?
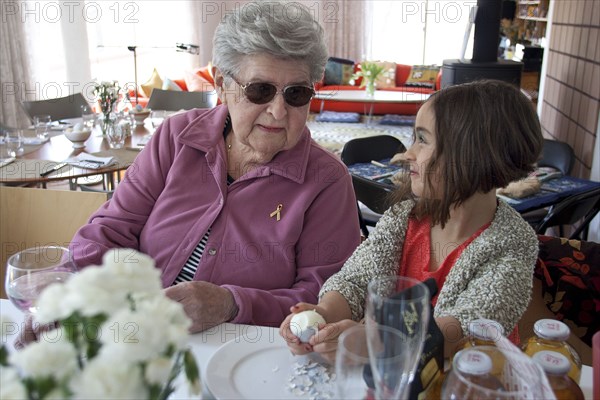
(118, 337)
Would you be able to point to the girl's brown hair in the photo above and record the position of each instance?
(487, 135)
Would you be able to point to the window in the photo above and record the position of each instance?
(419, 32)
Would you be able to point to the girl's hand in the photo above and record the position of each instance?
(296, 346)
(325, 342)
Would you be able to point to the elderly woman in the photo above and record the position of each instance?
(243, 213)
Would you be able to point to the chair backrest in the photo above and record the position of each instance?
(33, 217)
(372, 194)
(171, 100)
(558, 155)
(59, 108)
(582, 206)
(370, 148)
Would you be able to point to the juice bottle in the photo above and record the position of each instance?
(550, 334)
(483, 332)
(557, 366)
(471, 377)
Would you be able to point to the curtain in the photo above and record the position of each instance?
(14, 68)
(345, 24)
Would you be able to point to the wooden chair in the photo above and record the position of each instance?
(59, 108)
(32, 217)
(171, 100)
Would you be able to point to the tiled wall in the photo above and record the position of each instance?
(571, 101)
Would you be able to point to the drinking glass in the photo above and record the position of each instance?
(30, 271)
(42, 125)
(13, 140)
(157, 117)
(402, 303)
(116, 134)
(351, 359)
(88, 117)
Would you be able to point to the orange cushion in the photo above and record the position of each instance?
(205, 73)
(197, 83)
(181, 83)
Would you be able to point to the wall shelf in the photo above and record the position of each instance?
(531, 18)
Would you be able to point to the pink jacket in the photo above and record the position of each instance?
(176, 190)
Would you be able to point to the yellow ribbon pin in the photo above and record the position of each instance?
(277, 212)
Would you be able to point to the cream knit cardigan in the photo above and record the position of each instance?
(492, 278)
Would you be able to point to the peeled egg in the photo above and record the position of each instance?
(305, 324)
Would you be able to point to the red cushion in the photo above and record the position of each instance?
(402, 73)
(181, 84)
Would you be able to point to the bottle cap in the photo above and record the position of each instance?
(473, 362)
(552, 362)
(551, 329)
(485, 329)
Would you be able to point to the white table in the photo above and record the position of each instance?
(206, 343)
(380, 96)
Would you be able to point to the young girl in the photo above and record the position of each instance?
(469, 140)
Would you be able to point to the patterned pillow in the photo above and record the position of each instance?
(333, 116)
(423, 76)
(338, 71)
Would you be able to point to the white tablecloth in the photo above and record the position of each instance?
(206, 343)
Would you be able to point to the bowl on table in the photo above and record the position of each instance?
(140, 115)
(78, 136)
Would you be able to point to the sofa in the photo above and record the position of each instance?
(197, 80)
(339, 70)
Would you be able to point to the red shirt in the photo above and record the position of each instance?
(416, 253)
(416, 257)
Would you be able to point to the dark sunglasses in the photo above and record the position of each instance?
(264, 92)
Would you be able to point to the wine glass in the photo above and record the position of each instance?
(402, 303)
(369, 357)
(30, 271)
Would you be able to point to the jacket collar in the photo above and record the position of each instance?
(204, 132)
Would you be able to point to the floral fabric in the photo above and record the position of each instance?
(570, 275)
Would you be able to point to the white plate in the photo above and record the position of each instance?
(252, 367)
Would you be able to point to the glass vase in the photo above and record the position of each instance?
(370, 88)
(107, 125)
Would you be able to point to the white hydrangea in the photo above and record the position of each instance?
(141, 325)
(104, 378)
(102, 289)
(46, 358)
(11, 386)
(158, 370)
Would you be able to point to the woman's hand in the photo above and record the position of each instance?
(296, 346)
(205, 303)
(325, 342)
